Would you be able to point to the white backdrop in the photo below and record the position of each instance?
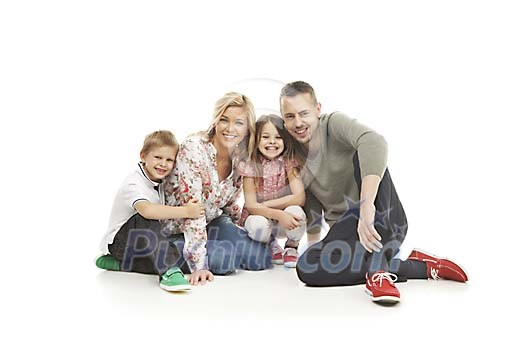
(82, 82)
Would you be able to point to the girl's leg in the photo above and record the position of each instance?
(141, 247)
(295, 235)
(259, 228)
(248, 254)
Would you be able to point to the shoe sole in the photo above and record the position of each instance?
(385, 299)
(428, 256)
(177, 288)
(278, 262)
(290, 264)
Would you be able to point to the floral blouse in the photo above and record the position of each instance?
(196, 176)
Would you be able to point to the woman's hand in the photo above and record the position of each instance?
(289, 221)
(200, 277)
(368, 235)
(194, 209)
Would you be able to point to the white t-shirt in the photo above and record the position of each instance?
(136, 187)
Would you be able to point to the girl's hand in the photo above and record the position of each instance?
(289, 221)
(368, 235)
(200, 277)
(194, 209)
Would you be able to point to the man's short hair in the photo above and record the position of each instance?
(298, 87)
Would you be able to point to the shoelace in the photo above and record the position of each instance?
(434, 273)
(379, 276)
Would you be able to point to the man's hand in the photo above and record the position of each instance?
(200, 277)
(368, 235)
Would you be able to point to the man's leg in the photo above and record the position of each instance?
(340, 259)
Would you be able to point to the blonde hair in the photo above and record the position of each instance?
(157, 139)
(235, 99)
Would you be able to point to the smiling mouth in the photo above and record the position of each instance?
(160, 171)
(301, 132)
(229, 137)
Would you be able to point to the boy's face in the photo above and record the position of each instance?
(159, 162)
(301, 116)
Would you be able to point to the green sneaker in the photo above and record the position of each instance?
(107, 262)
(174, 280)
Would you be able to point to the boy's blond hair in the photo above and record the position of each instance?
(157, 139)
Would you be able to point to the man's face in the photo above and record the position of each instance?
(301, 116)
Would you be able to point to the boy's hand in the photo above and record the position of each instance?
(200, 277)
(289, 221)
(194, 209)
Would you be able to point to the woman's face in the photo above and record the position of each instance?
(231, 128)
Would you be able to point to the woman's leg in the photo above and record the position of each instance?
(248, 254)
(141, 247)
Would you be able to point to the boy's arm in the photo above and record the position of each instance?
(157, 211)
(296, 198)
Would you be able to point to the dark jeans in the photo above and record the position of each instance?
(141, 247)
(340, 259)
(230, 248)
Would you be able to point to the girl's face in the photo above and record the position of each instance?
(271, 145)
(231, 128)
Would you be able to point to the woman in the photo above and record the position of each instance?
(206, 170)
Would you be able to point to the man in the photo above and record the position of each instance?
(348, 184)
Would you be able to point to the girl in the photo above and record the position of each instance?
(273, 191)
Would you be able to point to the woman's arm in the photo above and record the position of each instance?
(296, 198)
(190, 163)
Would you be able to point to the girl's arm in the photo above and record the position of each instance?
(251, 204)
(157, 211)
(296, 198)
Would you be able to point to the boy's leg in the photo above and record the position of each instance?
(141, 247)
(248, 254)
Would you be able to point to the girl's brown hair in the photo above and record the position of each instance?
(291, 147)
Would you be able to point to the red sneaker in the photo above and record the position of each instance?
(382, 288)
(277, 253)
(440, 267)
(290, 257)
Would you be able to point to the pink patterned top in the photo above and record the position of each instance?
(196, 176)
(274, 181)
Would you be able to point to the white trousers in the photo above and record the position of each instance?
(262, 229)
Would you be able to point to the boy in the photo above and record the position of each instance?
(134, 241)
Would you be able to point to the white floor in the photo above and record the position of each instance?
(272, 305)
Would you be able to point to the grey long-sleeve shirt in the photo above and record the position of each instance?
(329, 175)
